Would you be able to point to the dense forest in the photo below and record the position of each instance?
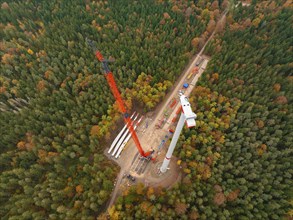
(237, 163)
(56, 110)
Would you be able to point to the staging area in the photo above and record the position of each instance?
(154, 133)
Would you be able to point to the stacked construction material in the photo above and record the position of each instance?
(122, 138)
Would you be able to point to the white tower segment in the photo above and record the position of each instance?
(123, 137)
(118, 136)
(126, 140)
(189, 117)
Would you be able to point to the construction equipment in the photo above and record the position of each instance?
(186, 116)
(112, 84)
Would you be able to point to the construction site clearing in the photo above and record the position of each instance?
(155, 132)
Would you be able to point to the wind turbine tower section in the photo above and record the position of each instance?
(188, 116)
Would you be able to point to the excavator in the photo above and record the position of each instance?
(113, 87)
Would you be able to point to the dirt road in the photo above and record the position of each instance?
(151, 137)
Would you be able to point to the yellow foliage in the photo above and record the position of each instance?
(215, 76)
(42, 154)
(77, 204)
(179, 162)
(256, 22)
(114, 215)
(188, 153)
(52, 154)
(217, 155)
(192, 164)
(262, 149)
(186, 170)
(290, 213)
(30, 51)
(29, 65)
(140, 189)
(150, 192)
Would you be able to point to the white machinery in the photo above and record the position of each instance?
(186, 116)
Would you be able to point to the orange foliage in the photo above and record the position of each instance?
(193, 215)
(6, 58)
(281, 100)
(215, 5)
(95, 130)
(219, 198)
(41, 85)
(233, 195)
(260, 123)
(4, 5)
(211, 26)
(180, 208)
(21, 145)
(166, 15)
(79, 189)
(277, 87)
(2, 89)
(195, 42)
(145, 205)
(209, 160)
(48, 74)
(68, 191)
(175, 8)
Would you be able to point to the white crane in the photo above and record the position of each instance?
(188, 116)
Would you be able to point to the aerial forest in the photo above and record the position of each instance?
(237, 163)
(57, 113)
(56, 110)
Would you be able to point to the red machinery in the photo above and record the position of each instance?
(118, 98)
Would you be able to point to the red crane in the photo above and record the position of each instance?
(118, 98)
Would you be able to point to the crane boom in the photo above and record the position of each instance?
(113, 87)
